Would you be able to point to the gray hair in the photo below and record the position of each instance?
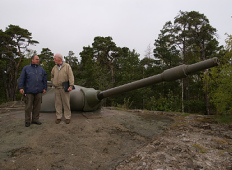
(60, 56)
(32, 58)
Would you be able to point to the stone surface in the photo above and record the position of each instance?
(114, 139)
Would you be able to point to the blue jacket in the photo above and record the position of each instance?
(33, 79)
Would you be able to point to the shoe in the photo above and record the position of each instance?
(67, 121)
(27, 124)
(37, 122)
(58, 121)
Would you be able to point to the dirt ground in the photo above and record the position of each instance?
(113, 139)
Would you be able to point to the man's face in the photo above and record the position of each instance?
(57, 60)
(35, 60)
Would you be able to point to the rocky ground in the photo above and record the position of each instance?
(114, 139)
(192, 142)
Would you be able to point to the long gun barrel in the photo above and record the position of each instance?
(172, 74)
(89, 99)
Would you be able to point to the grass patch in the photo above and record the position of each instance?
(220, 141)
(135, 159)
(185, 114)
(200, 148)
(227, 119)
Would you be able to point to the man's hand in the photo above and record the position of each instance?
(44, 91)
(21, 91)
(70, 89)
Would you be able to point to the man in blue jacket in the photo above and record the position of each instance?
(32, 83)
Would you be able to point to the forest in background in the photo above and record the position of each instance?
(187, 40)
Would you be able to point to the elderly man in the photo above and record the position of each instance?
(33, 79)
(62, 72)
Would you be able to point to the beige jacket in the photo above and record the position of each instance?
(64, 74)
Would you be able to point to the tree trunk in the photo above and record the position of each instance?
(5, 85)
(112, 75)
(182, 94)
(207, 95)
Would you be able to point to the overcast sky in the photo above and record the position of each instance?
(64, 25)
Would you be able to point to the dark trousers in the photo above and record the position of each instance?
(32, 106)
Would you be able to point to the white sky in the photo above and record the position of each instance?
(69, 25)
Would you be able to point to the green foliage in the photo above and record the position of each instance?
(14, 43)
(87, 68)
(189, 39)
(169, 103)
(227, 119)
(2, 94)
(221, 88)
(185, 114)
(126, 104)
(105, 53)
(72, 60)
(98, 63)
(219, 81)
(165, 47)
(46, 61)
(104, 65)
(196, 106)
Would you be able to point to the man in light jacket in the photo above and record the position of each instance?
(62, 72)
(32, 83)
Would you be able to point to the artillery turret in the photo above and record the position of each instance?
(89, 99)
